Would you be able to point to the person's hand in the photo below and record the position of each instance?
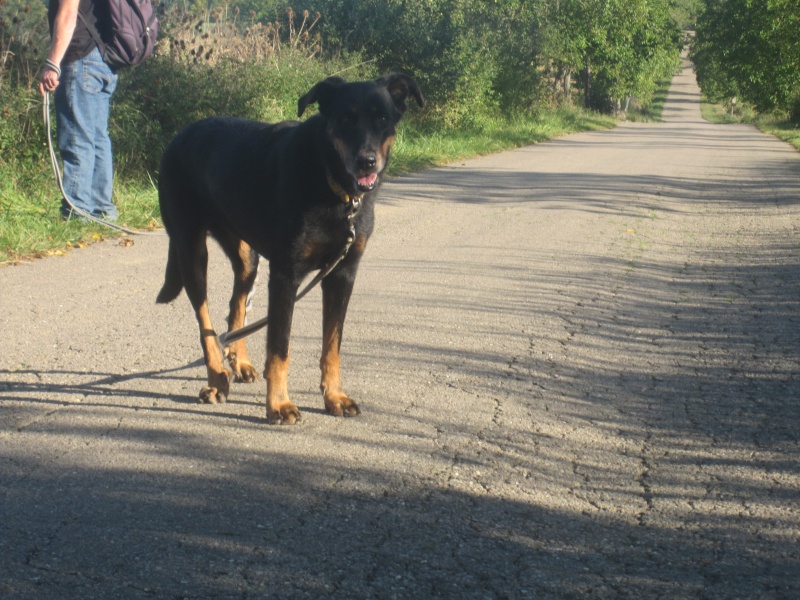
(48, 80)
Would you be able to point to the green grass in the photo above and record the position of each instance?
(776, 125)
(417, 149)
(659, 99)
(781, 129)
(30, 226)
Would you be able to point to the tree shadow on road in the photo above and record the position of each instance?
(551, 473)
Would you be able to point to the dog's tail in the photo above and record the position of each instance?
(173, 282)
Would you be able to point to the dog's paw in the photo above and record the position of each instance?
(211, 395)
(287, 414)
(243, 371)
(339, 405)
(218, 388)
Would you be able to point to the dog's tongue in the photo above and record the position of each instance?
(367, 181)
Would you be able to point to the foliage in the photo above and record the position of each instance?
(23, 39)
(750, 50)
(685, 12)
(621, 48)
(214, 64)
(23, 36)
(511, 54)
(454, 48)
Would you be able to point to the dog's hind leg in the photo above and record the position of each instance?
(244, 261)
(193, 260)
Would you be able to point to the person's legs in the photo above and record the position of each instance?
(102, 182)
(82, 102)
(75, 144)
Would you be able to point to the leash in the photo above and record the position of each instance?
(59, 180)
(353, 205)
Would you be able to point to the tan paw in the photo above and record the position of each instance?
(287, 414)
(244, 372)
(218, 388)
(211, 395)
(339, 405)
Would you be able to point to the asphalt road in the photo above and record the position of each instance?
(578, 365)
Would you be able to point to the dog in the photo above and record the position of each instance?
(289, 192)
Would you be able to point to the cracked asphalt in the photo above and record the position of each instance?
(578, 365)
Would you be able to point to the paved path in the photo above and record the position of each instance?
(579, 370)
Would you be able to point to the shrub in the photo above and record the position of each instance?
(23, 40)
(218, 64)
(471, 58)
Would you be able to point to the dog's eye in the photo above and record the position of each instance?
(383, 120)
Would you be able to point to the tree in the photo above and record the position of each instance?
(621, 48)
(750, 49)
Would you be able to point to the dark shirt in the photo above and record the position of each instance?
(82, 42)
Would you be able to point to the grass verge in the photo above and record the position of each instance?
(775, 125)
(416, 149)
(30, 226)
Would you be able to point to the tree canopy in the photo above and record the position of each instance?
(750, 50)
(512, 51)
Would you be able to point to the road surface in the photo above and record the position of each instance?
(578, 365)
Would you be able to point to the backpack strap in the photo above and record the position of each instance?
(93, 32)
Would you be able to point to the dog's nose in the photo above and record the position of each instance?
(366, 161)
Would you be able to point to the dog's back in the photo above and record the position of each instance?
(216, 161)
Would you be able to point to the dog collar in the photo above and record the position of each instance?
(339, 191)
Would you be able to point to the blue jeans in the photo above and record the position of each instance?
(82, 101)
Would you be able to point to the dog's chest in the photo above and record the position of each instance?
(319, 243)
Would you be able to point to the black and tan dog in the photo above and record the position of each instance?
(283, 191)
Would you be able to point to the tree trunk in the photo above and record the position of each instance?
(568, 85)
(587, 93)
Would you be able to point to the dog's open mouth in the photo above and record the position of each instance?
(367, 182)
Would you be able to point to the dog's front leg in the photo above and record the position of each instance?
(282, 290)
(336, 291)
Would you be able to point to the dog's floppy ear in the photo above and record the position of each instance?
(400, 87)
(320, 93)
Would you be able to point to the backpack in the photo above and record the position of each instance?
(131, 29)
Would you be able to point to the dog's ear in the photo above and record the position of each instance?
(321, 94)
(400, 87)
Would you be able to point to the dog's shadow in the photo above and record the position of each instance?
(32, 386)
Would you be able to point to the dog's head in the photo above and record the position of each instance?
(360, 123)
